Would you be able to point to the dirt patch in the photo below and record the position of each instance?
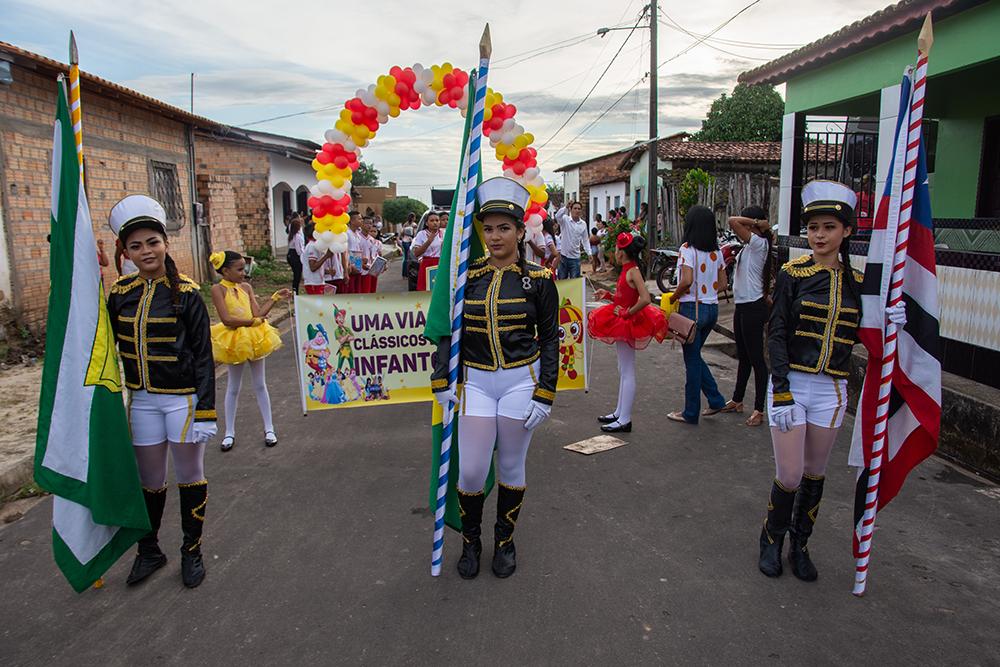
(19, 387)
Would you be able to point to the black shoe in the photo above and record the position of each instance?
(192, 569)
(772, 535)
(144, 565)
(194, 498)
(509, 500)
(149, 558)
(804, 514)
(616, 427)
(470, 508)
(607, 419)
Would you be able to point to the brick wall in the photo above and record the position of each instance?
(119, 142)
(603, 170)
(219, 198)
(249, 172)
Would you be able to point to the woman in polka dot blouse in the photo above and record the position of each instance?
(702, 277)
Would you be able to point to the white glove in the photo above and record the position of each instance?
(204, 431)
(897, 314)
(781, 416)
(536, 414)
(445, 397)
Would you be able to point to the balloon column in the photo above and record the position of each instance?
(408, 88)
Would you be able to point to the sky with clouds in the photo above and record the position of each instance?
(256, 60)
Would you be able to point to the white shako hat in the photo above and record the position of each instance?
(502, 195)
(137, 212)
(830, 197)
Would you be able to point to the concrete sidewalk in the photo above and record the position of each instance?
(318, 552)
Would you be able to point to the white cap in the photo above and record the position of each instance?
(135, 209)
(502, 195)
(830, 197)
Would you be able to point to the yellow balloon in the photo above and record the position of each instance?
(488, 111)
(520, 142)
(316, 165)
(362, 131)
(541, 196)
(341, 219)
(336, 181)
(529, 138)
(394, 111)
(345, 115)
(513, 152)
(338, 228)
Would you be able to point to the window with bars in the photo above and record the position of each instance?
(166, 189)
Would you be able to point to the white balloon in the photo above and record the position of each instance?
(325, 187)
(507, 138)
(538, 182)
(383, 118)
(350, 145)
(428, 97)
(417, 68)
(336, 193)
(535, 220)
(320, 245)
(531, 173)
(383, 107)
(327, 237)
(335, 136)
(314, 189)
(509, 173)
(507, 126)
(368, 96)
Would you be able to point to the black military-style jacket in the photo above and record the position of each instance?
(511, 318)
(814, 323)
(164, 350)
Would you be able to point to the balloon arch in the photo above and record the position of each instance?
(402, 89)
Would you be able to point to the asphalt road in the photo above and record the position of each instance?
(318, 553)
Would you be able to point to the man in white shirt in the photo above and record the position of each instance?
(574, 237)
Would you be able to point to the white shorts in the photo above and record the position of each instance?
(505, 392)
(157, 418)
(820, 399)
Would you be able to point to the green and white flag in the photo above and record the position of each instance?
(83, 452)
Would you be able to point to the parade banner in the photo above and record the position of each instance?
(364, 350)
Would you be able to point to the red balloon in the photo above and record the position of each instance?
(336, 210)
(371, 112)
(372, 125)
(357, 117)
(519, 167)
(448, 80)
(344, 201)
(323, 157)
(401, 88)
(340, 162)
(313, 202)
(510, 111)
(396, 71)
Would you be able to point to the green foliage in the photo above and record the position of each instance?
(621, 225)
(366, 175)
(751, 113)
(687, 192)
(262, 254)
(396, 210)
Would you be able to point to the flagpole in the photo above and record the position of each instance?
(76, 113)
(909, 182)
(458, 277)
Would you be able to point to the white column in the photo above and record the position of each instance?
(787, 160)
(6, 296)
(887, 117)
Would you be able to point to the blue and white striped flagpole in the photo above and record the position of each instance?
(457, 275)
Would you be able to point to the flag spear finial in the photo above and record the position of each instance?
(486, 44)
(74, 56)
(926, 38)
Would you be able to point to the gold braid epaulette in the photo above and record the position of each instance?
(859, 276)
(536, 271)
(125, 284)
(187, 285)
(478, 268)
(795, 270)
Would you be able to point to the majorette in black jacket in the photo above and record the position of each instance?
(814, 323)
(511, 318)
(164, 350)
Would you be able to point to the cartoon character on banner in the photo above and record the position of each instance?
(570, 337)
(317, 349)
(354, 387)
(316, 387)
(344, 336)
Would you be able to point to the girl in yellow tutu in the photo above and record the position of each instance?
(242, 339)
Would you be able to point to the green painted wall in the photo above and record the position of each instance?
(970, 37)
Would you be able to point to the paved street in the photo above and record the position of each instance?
(318, 552)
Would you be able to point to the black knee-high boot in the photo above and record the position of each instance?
(149, 558)
(509, 500)
(194, 498)
(470, 505)
(772, 535)
(803, 519)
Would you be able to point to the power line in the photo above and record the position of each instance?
(596, 83)
(731, 42)
(713, 46)
(702, 39)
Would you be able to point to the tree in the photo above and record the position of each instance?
(366, 175)
(690, 188)
(556, 194)
(396, 210)
(751, 113)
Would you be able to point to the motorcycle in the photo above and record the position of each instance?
(730, 245)
(663, 267)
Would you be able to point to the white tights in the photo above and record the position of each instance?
(626, 382)
(259, 388)
(189, 463)
(805, 449)
(476, 437)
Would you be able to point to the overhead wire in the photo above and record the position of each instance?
(596, 83)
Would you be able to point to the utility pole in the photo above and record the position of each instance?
(652, 188)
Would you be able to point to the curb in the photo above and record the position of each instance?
(17, 474)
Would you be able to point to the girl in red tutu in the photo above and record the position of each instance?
(630, 323)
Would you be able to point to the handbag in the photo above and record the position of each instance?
(684, 329)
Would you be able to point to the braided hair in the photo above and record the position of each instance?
(849, 281)
(174, 280)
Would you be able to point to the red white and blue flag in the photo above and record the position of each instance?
(899, 411)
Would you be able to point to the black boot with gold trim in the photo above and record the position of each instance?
(509, 500)
(194, 498)
(803, 519)
(149, 558)
(772, 535)
(470, 505)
